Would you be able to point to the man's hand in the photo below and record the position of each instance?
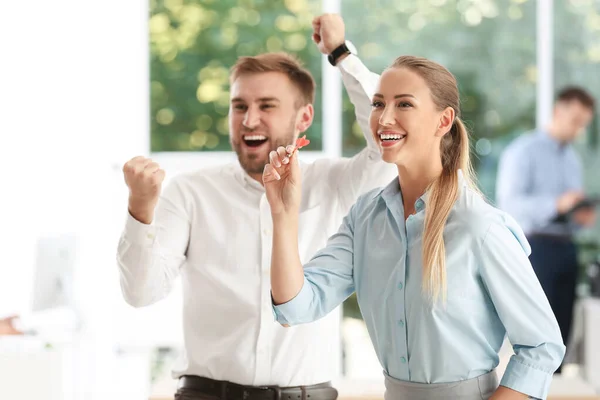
(7, 327)
(328, 32)
(568, 200)
(144, 179)
(585, 217)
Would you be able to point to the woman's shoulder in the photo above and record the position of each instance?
(475, 213)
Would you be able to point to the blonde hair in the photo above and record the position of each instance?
(282, 62)
(444, 191)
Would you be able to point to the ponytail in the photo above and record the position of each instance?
(443, 193)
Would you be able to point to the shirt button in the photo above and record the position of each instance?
(400, 286)
(267, 232)
(150, 236)
(400, 323)
(403, 360)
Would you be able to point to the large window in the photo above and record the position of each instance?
(577, 61)
(577, 58)
(490, 46)
(193, 43)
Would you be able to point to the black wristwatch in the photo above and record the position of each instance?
(344, 48)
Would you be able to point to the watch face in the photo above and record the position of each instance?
(351, 47)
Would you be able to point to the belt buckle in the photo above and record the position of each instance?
(277, 391)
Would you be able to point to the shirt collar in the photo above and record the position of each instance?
(392, 192)
(555, 143)
(389, 191)
(245, 179)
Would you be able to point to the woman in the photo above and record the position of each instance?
(440, 275)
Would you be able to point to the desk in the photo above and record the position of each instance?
(49, 367)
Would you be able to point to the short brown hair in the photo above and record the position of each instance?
(578, 94)
(278, 62)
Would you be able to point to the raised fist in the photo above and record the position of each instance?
(328, 32)
(144, 178)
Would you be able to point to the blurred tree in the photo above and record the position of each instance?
(193, 43)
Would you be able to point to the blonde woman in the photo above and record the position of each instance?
(440, 275)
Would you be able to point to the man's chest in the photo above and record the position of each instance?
(235, 234)
(551, 171)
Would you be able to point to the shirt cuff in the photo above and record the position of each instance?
(139, 233)
(548, 209)
(352, 65)
(290, 313)
(527, 379)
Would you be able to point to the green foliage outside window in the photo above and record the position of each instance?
(193, 43)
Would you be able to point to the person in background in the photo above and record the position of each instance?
(540, 179)
(7, 326)
(440, 275)
(213, 227)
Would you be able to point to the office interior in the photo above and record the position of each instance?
(85, 86)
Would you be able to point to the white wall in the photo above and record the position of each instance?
(73, 108)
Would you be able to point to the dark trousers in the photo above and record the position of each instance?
(554, 260)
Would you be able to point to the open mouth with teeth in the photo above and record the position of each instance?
(388, 139)
(254, 140)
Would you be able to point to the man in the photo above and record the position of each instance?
(540, 180)
(214, 228)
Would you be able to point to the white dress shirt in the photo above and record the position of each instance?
(213, 227)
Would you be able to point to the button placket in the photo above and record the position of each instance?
(263, 351)
(401, 336)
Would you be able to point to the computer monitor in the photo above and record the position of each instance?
(53, 273)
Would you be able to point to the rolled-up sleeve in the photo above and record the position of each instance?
(328, 279)
(523, 309)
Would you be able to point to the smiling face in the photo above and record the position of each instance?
(405, 121)
(265, 112)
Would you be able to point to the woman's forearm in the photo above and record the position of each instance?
(504, 393)
(287, 275)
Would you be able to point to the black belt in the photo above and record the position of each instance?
(228, 390)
